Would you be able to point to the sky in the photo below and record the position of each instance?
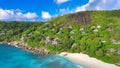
(43, 10)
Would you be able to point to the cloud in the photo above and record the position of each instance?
(99, 5)
(65, 11)
(30, 15)
(15, 15)
(83, 8)
(46, 15)
(61, 1)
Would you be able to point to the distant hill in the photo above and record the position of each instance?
(96, 33)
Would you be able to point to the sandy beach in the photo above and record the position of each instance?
(84, 59)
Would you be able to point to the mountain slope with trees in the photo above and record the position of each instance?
(96, 33)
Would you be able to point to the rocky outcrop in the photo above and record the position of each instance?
(51, 40)
(35, 50)
(2, 32)
(81, 18)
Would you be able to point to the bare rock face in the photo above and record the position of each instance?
(81, 18)
(118, 50)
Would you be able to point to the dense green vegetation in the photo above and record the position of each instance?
(96, 33)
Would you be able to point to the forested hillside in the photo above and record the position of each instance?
(96, 33)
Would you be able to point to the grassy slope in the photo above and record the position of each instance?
(90, 32)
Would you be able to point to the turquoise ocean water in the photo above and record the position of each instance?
(12, 57)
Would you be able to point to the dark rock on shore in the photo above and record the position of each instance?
(35, 50)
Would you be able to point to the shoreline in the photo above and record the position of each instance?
(78, 58)
(87, 61)
(35, 50)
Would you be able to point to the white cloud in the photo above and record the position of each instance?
(46, 15)
(99, 5)
(104, 1)
(14, 15)
(30, 15)
(83, 8)
(65, 11)
(61, 1)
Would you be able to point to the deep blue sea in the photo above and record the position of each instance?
(12, 57)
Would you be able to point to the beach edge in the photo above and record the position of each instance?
(86, 60)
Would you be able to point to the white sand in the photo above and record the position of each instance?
(84, 59)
